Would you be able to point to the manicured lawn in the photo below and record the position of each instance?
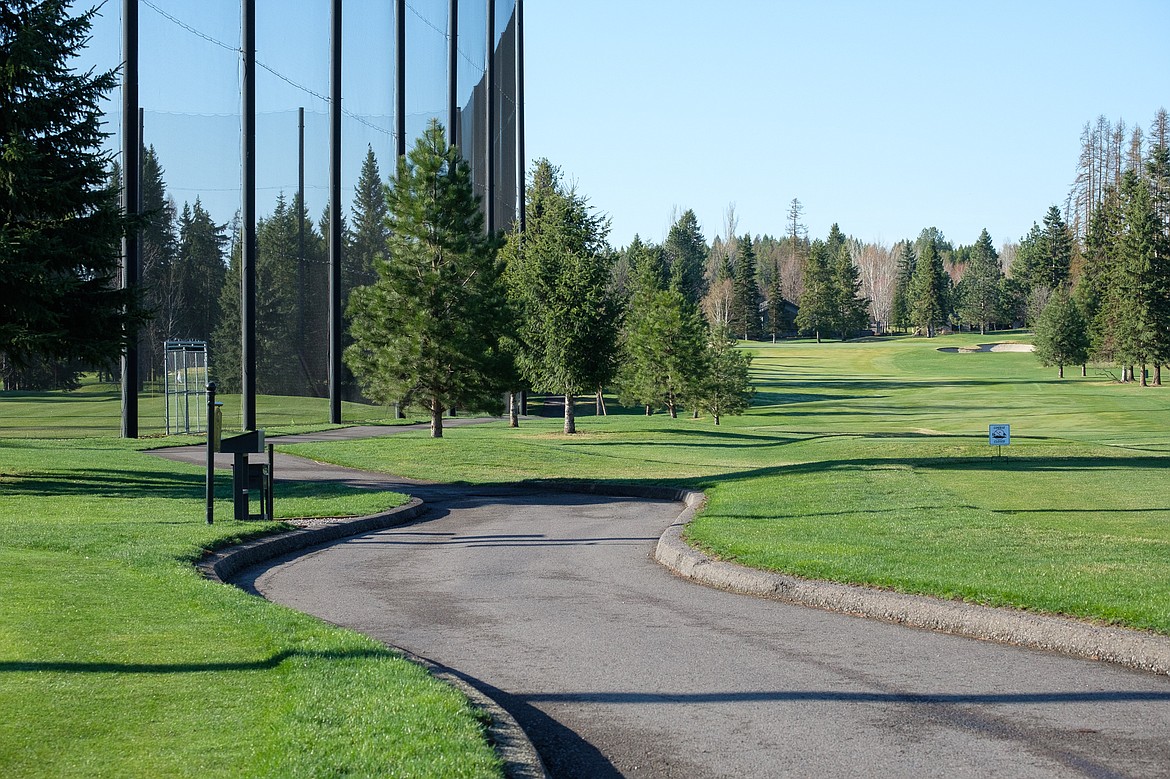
(118, 659)
(95, 409)
(868, 463)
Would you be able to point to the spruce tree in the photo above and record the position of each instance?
(157, 251)
(927, 293)
(852, 309)
(817, 303)
(979, 291)
(559, 274)
(201, 271)
(428, 331)
(60, 221)
(747, 291)
(900, 305)
(686, 255)
(1061, 335)
(725, 386)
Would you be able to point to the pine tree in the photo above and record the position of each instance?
(817, 312)
(725, 388)
(158, 247)
(1061, 336)
(429, 329)
(558, 272)
(686, 254)
(852, 308)
(60, 222)
(927, 293)
(662, 342)
(747, 291)
(201, 272)
(979, 291)
(368, 232)
(1143, 287)
(900, 305)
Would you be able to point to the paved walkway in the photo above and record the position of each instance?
(550, 603)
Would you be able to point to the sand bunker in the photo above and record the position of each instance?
(1007, 347)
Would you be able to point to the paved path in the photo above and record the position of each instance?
(550, 603)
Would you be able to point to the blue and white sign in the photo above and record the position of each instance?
(999, 435)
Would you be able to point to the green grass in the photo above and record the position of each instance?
(868, 463)
(118, 659)
(95, 409)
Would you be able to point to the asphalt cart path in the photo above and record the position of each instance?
(549, 602)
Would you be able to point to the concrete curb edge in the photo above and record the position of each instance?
(1131, 648)
(517, 753)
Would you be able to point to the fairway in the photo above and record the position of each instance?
(868, 463)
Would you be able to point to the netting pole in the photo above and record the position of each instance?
(335, 217)
(489, 200)
(248, 216)
(130, 202)
(399, 105)
(521, 168)
(301, 226)
(453, 73)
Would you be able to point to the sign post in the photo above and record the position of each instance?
(999, 436)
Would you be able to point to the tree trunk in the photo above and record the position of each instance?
(648, 412)
(1158, 375)
(671, 407)
(982, 328)
(436, 418)
(1060, 370)
(570, 418)
(1084, 370)
(600, 403)
(695, 414)
(513, 417)
(453, 412)
(818, 341)
(1144, 382)
(398, 412)
(716, 415)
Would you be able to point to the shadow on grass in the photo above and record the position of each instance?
(30, 666)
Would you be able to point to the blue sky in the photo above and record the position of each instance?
(883, 117)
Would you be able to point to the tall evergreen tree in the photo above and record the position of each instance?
(927, 294)
(158, 247)
(686, 254)
(558, 272)
(900, 305)
(663, 340)
(60, 222)
(429, 329)
(852, 308)
(368, 231)
(201, 271)
(747, 291)
(817, 312)
(979, 291)
(1143, 299)
(725, 385)
(1062, 336)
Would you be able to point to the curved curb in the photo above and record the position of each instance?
(517, 753)
(1131, 648)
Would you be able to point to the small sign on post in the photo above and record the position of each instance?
(999, 436)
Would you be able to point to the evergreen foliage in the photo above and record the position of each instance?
(686, 255)
(202, 272)
(428, 330)
(928, 287)
(1061, 336)
(663, 339)
(980, 290)
(60, 221)
(817, 303)
(900, 305)
(852, 308)
(559, 285)
(746, 310)
(725, 387)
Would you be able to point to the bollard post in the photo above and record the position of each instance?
(211, 447)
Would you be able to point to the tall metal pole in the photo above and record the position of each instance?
(489, 200)
(399, 79)
(335, 217)
(521, 164)
(301, 226)
(248, 216)
(453, 73)
(131, 143)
